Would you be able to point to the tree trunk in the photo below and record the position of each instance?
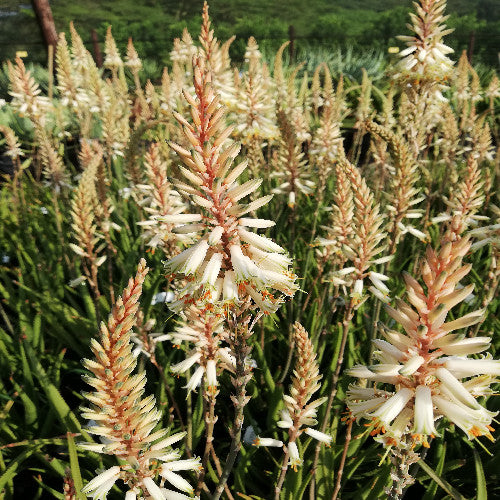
(46, 21)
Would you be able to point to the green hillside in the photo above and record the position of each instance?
(153, 24)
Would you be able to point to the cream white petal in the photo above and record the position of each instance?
(211, 373)
(195, 379)
(293, 452)
(179, 218)
(257, 223)
(229, 287)
(389, 349)
(169, 441)
(320, 436)
(244, 267)
(187, 464)
(216, 235)
(187, 363)
(463, 347)
(188, 261)
(259, 241)
(464, 417)
(412, 365)
(454, 386)
(424, 414)
(393, 406)
(260, 441)
(462, 367)
(211, 272)
(106, 479)
(153, 489)
(176, 480)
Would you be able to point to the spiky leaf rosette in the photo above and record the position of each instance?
(427, 363)
(228, 264)
(122, 417)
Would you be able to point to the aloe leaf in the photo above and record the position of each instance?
(482, 493)
(262, 363)
(456, 495)
(56, 401)
(30, 408)
(11, 470)
(379, 483)
(441, 453)
(48, 489)
(75, 467)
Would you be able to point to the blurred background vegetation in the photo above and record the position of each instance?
(319, 25)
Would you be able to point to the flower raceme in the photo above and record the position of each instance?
(123, 419)
(425, 58)
(206, 332)
(427, 364)
(229, 263)
(162, 200)
(300, 412)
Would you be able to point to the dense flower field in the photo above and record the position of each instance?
(250, 282)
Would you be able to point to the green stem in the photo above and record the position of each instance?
(346, 323)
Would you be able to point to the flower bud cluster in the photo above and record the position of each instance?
(205, 332)
(358, 240)
(162, 200)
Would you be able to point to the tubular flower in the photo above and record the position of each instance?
(428, 362)
(228, 263)
(206, 332)
(121, 416)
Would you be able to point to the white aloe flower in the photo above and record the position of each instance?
(319, 436)
(99, 487)
(424, 413)
(293, 451)
(260, 441)
(188, 261)
(205, 333)
(389, 410)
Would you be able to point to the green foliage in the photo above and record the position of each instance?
(46, 322)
